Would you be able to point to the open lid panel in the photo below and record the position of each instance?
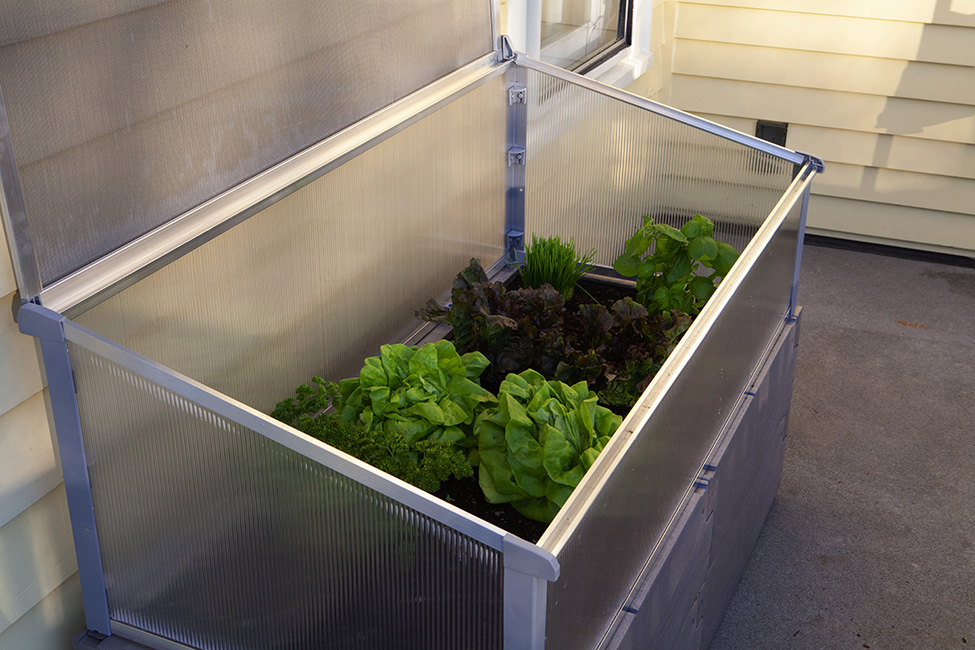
(118, 117)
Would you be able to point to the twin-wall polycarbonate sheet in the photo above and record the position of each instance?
(219, 538)
(318, 281)
(611, 544)
(124, 115)
(597, 165)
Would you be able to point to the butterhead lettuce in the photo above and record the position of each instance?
(539, 441)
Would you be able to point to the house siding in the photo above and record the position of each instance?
(40, 600)
(883, 91)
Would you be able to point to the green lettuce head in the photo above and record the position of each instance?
(539, 441)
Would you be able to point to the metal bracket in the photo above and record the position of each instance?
(817, 163)
(516, 156)
(516, 240)
(507, 51)
(517, 95)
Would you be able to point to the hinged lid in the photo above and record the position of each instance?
(123, 116)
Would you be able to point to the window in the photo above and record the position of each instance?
(580, 34)
(608, 40)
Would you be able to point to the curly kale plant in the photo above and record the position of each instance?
(539, 441)
(665, 262)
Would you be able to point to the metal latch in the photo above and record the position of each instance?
(516, 156)
(517, 95)
(516, 240)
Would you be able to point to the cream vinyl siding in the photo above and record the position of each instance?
(655, 82)
(882, 90)
(40, 599)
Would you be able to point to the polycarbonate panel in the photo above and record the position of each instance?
(318, 281)
(596, 165)
(614, 539)
(216, 537)
(124, 115)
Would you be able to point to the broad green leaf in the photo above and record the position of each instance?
(647, 270)
(474, 364)
(408, 430)
(725, 259)
(428, 411)
(702, 248)
(661, 298)
(448, 434)
(707, 226)
(538, 509)
(378, 399)
(424, 364)
(638, 244)
(372, 373)
(681, 268)
(453, 413)
(627, 264)
(671, 232)
(691, 229)
(701, 287)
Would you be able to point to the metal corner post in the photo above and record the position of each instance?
(517, 136)
(48, 327)
(527, 571)
(794, 297)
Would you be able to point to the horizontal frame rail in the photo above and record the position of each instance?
(664, 110)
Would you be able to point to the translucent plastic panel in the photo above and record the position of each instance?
(596, 165)
(216, 537)
(317, 282)
(610, 546)
(124, 115)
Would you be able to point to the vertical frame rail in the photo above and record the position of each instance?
(48, 327)
(527, 571)
(517, 138)
(794, 297)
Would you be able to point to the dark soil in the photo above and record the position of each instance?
(466, 494)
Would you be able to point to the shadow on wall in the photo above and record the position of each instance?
(907, 118)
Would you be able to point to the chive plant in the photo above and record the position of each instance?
(553, 261)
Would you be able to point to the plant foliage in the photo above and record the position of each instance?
(665, 262)
(617, 352)
(515, 330)
(539, 441)
(555, 262)
(409, 413)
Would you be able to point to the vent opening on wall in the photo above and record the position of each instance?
(774, 132)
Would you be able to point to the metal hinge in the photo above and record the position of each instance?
(516, 156)
(517, 95)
